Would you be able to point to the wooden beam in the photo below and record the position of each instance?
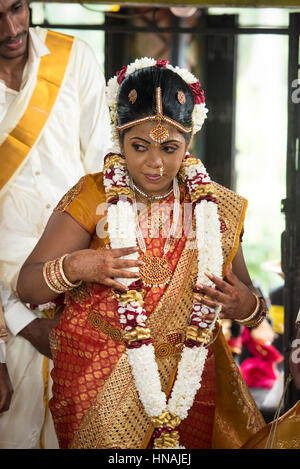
(196, 3)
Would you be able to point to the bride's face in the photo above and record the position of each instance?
(144, 157)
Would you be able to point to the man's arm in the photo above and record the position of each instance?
(6, 389)
(37, 333)
(21, 321)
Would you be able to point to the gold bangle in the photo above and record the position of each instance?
(255, 322)
(62, 273)
(55, 277)
(260, 316)
(252, 315)
(49, 277)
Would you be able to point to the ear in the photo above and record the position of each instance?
(181, 172)
(189, 142)
(121, 142)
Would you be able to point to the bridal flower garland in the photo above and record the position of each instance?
(122, 227)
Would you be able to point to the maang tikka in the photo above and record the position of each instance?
(159, 133)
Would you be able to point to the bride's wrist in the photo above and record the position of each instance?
(258, 313)
(58, 275)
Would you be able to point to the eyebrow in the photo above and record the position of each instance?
(14, 4)
(146, 141)
(17, 2)
(173, 140)
(140, 138)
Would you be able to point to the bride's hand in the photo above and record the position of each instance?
(236, 299)
(101, 266)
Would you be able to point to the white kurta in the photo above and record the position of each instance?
(73, 142)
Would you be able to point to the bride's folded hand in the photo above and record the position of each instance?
(236, 299)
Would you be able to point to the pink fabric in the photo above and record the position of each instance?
(259, 371)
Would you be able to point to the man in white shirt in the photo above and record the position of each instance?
(52, 131)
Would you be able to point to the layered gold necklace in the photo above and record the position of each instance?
(156, 271)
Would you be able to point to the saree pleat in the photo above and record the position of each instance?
(283, 434)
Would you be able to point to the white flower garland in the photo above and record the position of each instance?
(188, 380)
(120, 219)
(147, 380)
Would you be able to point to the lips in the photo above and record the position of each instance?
(152, 177)
(14, 43)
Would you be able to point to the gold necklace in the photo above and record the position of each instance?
(151, 197)
(156, 271)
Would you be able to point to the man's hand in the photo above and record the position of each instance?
(6, 389)
(37, 333)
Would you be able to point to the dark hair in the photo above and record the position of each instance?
(145, 81)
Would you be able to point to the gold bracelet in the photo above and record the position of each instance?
(255, 322)
(260, 316)
(49, 277)
(252, 315)
(62, 273)
(55, 277)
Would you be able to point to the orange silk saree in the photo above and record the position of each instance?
(95, 403)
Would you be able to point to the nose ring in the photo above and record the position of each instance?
(161, 169)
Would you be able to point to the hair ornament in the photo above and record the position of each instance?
(132, 96)
(181, 97)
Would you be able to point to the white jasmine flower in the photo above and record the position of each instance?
(202, 324)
